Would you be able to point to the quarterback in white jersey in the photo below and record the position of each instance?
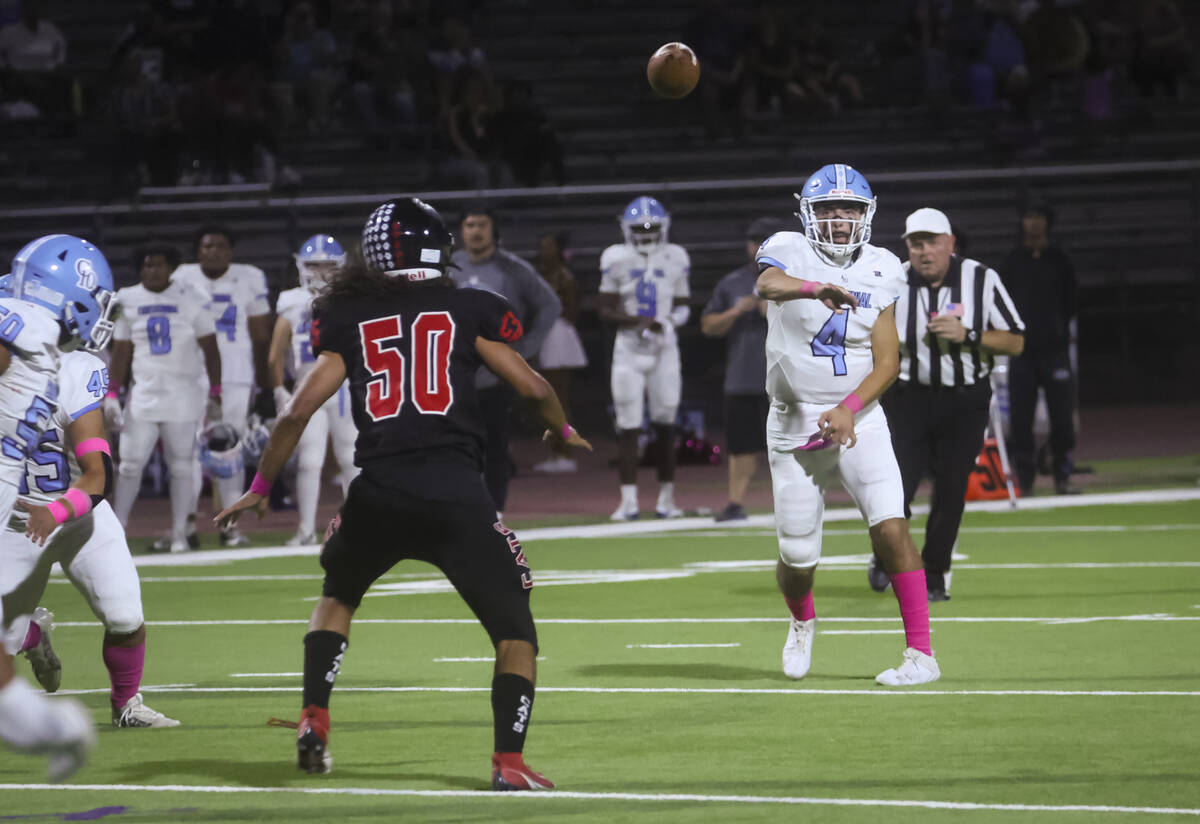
(644, 290)
(242, 313)
(166, 334)
(291, 346)
(72, 461)
(832, 350)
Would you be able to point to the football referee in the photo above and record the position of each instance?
(952, 319)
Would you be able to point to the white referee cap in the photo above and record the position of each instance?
(927, 220)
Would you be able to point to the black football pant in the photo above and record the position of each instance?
(1050, 371)
(939, 431)
(495, 404)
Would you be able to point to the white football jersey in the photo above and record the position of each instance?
(815, 355)
(295, 305)
(647, 282)
(29, 386)
(238, 294)
(167, 361)
(82, 384)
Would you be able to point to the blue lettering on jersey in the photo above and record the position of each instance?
(227, 323)
(158, 330)
(830, 341)
(10, 325)
(98, 382)
(29, 430)
(54, 458)
(864, 299)
(158, 309)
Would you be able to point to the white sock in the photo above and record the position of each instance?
(666, 496)
(27, 720)
(629, 495)
(308, 490)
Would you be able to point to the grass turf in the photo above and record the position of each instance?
(614, 715)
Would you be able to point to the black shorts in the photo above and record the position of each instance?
(382, 525)
(746, 423)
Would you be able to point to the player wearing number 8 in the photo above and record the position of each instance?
(410, 343)
(166, 335)
(832, 350)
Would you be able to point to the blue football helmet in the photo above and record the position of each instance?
(645, 223)
(70, 277)
(836, 183)
(220, 451)
(318, 249)
(6, 286)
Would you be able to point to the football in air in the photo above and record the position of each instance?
(673, 71)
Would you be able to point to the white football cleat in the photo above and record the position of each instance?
(302, 539)
(137, 714)
(47, 668)
(625, 512)
(917, 668)
(797, 651)
(74, 736)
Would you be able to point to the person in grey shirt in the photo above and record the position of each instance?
(482, 264)
(734, 311)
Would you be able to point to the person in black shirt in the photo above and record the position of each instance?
(410, 343)
(1042, 282)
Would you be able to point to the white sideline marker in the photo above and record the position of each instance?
(567, 795)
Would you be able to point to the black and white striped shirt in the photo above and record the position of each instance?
(973, 292)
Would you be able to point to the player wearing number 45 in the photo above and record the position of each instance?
(318, 257)
(166, 332)
(832, 350)
(644, 290)
(242, 313)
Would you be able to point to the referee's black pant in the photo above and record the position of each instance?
(939, 431)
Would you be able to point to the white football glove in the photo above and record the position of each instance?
(114, 418)
(282, 399)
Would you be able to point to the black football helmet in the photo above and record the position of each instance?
(406, 236)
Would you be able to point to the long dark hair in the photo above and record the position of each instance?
(358, 280)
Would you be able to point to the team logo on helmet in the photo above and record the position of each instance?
(88, 279)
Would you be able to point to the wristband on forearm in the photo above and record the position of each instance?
(260, 485)
(853, 402)
(80, 502)
(214, 391)
(566, 432)
(111, 393)
(808, 288)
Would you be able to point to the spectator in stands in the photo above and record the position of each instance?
(33, 56)
(562, 351)
(144, 126)
(385, 74)
(772, 65)
(308, 56)
(529, 145)
(821, 73)
(149, 40)
(1164, 53)
(1056, 42)
(735, 312)
(716, 38)
(471, 145)
(1042, 283)
(451, 54)
(1004, 57)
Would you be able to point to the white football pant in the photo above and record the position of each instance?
(639, 374)
(868, 471)
(179, 446)
(92, 552)
(333, 421)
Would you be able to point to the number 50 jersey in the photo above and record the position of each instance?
(411, 361)
(815, 355)
(167, 361)
(647, 283)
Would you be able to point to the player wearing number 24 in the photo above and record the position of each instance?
(832, 349)
(410, 343)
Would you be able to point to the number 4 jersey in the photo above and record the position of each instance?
(411, 361)
(238, 294)
(167, 361)
(815, 355)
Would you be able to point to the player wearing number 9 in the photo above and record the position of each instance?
(291, 346)
(410, 342)
(166, 337)
(832, 350)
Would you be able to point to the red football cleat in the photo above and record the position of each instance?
(312, 740)
(510, 773)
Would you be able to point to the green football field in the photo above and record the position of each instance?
(1070, 692)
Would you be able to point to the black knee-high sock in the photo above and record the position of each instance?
(512, 707)
(323, 653)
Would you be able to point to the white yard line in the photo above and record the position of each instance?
(568, 795)
(878, 691)
(639, 528)
(680, 646)
(482, 660)
(860, 632)
(266, 675)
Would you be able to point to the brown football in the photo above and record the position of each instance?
(673, 71)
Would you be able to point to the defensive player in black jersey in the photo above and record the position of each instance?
(410, 343)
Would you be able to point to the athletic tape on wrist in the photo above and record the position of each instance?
(853, 402)
(566, 432)
(92, 445)
(808, 288)
(260, 485)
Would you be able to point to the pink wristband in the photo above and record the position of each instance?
(111, 393)
(260, 485)
(214, 391)
(853, 402)
(92, 445)
(566, 432)
(59, 512)
(80, 501)
(808, 288)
